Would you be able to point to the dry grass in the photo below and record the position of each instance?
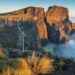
(45, 65)
(32, 66)
(23, 68)
(7, 71)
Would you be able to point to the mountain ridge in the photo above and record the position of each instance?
(53, 25)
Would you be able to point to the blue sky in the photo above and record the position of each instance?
(11, 5)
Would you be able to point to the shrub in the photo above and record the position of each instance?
(32, 65)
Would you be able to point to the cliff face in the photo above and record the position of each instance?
(21, 35)
(30, 13)
(52, 25)
(58, 24)
(56, 14)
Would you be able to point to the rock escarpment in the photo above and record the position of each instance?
(58, 24)
(53, 25)
(56, 17)
(57, 14)
(29, 13)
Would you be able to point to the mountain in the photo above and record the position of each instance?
(53, 25)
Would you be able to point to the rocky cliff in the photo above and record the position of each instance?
(53, 25)
(29, 13)
(57, 14)
(59, 27)
(58, 24)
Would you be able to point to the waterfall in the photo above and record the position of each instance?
(20, 43)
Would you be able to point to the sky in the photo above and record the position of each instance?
(12, 5)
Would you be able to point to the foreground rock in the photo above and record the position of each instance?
(57, 14)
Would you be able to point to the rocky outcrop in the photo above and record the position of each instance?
(52, 25)
(57, 14)
(29, 13)
(58, 24)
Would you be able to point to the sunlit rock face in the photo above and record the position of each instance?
(29, 13)
(52, 25)
(58, 24)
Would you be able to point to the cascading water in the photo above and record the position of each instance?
(20, 43)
